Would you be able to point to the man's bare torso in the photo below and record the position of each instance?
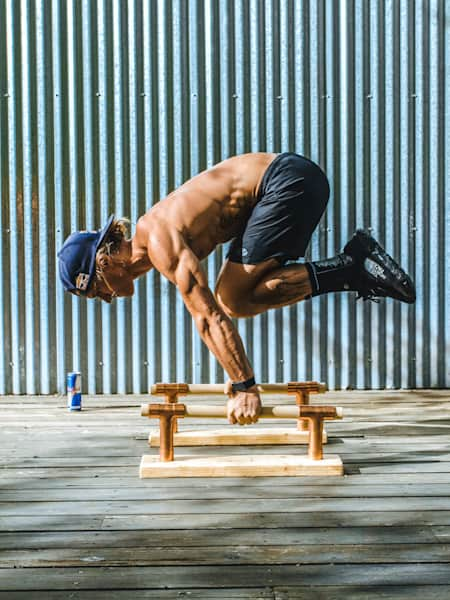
(212, 207)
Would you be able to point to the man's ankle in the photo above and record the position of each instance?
(336, 274)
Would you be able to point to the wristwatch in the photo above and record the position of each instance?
(242, 386)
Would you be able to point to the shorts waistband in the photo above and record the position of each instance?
(270, 169)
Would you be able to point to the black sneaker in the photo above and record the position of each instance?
(377, 273)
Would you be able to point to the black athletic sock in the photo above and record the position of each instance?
(335, 274)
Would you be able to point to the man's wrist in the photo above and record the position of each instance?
(243, 386)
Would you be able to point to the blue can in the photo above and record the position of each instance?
(74, 391)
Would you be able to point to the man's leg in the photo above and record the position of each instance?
(247, 290)
(364, 266)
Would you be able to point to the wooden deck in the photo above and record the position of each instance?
(77, 522)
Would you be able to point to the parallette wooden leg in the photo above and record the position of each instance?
(166, 427)
(315, 416)
(167, 414)
(173, 398)
(302, 399)
(315, 447)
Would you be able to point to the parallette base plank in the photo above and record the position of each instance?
(261, 465)
(242, 437)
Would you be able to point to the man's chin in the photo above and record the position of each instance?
(127, 292)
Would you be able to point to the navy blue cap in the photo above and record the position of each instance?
(77, 258)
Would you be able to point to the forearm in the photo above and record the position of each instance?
(223, 340)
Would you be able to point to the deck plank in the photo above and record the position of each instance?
(162, 538)
(362, 592)
(186, 577)
(267, 554)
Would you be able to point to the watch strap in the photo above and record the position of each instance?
(242, 386)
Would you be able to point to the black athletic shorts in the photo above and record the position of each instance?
(292, 197)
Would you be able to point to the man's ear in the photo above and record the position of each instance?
(103, 261)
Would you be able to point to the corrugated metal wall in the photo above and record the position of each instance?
(106, 106)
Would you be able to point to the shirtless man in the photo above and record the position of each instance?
(268, 205)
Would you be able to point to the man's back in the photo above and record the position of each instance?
(213, 206)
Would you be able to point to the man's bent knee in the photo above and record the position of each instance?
(235, 308)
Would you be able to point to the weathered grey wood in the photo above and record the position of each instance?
(204, 576)
(229, 492)
(227, 555)
(127, 445)
(405, 467)
(299, 519)
(219, 506)
(155, 594)
(51, 523)
(220, 521)
(103, 478)
(105, 450)
(362, 592)
(86, 459)
(228, 537)
(401, 592)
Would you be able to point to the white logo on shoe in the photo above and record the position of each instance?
(374, 269)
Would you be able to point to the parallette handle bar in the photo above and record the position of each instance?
(201, 411)
(184, 389)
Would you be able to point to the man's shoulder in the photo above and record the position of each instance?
(248, 157)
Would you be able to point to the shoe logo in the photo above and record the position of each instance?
(374, 269)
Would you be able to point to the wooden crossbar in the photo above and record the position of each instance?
(184, 389)
(204, 411)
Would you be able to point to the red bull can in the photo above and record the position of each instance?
(74, 391)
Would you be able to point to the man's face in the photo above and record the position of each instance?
(115, 281)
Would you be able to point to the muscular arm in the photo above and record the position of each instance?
(172, 257)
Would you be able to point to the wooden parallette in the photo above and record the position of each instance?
(237, 436)
(315, 463)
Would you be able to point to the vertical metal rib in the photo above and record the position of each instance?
(4, 313)
(105, 175)
(17, 342)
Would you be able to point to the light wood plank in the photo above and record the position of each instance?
(241, 466)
